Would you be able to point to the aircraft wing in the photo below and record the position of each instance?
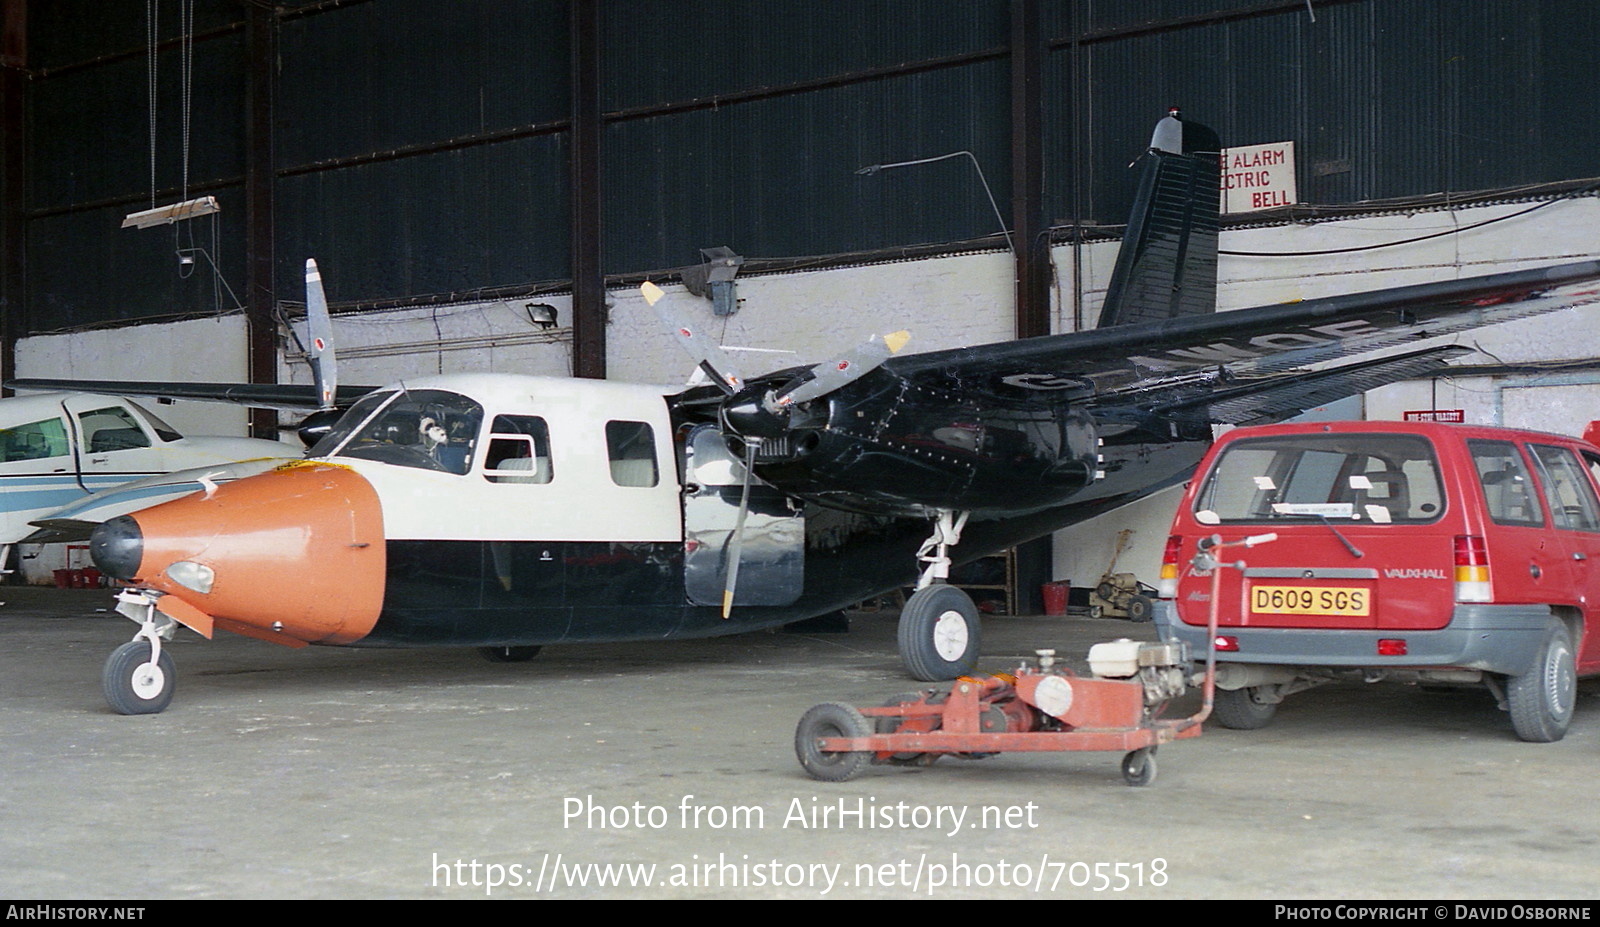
(1239, 366)
(283, 396)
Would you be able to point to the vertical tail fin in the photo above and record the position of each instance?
(1167, 265)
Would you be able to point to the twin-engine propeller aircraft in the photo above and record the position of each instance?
(508, 512)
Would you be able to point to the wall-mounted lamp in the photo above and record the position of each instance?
(541, 314)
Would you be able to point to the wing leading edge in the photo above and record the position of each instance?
(284, 396)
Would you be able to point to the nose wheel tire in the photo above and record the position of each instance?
(133, 684)
(831, 719)
(939, 634)
(1541, 700)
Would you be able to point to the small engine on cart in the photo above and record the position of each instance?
(1163, 667)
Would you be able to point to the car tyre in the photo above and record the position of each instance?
(1242, 709)
(1542, 699)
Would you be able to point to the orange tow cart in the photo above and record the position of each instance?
(1039, 708)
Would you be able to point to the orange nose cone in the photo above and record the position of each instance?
(294, 553)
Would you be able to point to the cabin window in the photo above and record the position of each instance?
(111, 429)
(1566, 489)
(428, 429)
(519, 450)
(1507, 490)
(35, 441)
(632, 449)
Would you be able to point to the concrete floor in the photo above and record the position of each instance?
(329, 773)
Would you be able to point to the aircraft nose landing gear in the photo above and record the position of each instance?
(138, 677)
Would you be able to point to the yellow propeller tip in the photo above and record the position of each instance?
(896, 340)
(651, 293)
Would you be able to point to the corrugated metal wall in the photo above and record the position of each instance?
(421, 148)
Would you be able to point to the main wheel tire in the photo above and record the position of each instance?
(831, 719)
(1242, 709)
(135, 686)
(939, 634)
(1542, 699)
(509, 654)
(1139, 767)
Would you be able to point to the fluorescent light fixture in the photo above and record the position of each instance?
(166, 215)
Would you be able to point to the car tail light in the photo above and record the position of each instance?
(1472, 569)
(1227, 643)
(1392, 647)
(1167, 587)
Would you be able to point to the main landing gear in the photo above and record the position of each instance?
(138, 677)
(939, 630)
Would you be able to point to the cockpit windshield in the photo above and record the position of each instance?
(1357, 476)
(424, 428)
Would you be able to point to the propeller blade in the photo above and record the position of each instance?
(319, 331)
(705, 350)
(858, 362)
(736, 542)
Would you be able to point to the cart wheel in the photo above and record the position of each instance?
(1139, 767)
(831, 719)
(1140, 608)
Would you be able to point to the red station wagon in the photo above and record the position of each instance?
(1418, 552)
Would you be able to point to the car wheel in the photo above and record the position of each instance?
(1542, 699)
(1242, 709)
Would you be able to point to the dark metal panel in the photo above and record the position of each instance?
(89, 128)
(63, 33)
(665, 51)
(777, 177)
(449, 222)
(386, 74)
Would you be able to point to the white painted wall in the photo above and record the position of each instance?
(945, 302)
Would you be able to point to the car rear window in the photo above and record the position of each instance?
(1369, 478)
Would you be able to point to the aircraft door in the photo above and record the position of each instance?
(772, 561)
(113, 445)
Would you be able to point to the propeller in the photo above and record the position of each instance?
(756, 412)
(736, 543)
(705, 350)
(324, 362)
(319, 327)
